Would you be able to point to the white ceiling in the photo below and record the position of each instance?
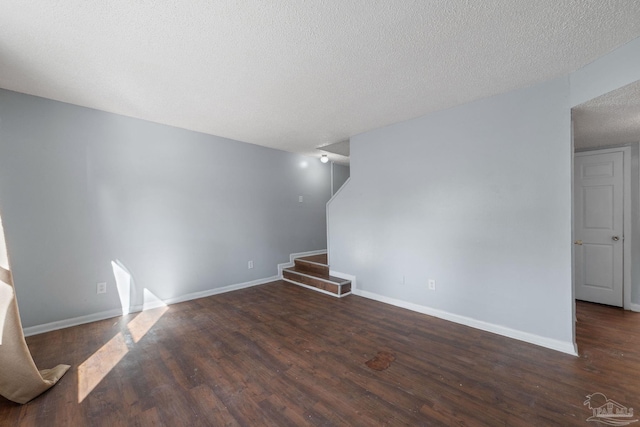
(297, 75)
(610, 119)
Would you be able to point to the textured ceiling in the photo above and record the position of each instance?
(610, 119)
(297, 75)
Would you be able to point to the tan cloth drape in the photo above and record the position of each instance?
(20, 380)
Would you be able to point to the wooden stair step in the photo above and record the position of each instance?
(322, 281)
(325, 277)
(319, 259)
(302, 264)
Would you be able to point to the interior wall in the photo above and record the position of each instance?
(610, 72)
(477, 197)
(184, 212)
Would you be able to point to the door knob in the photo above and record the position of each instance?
(578, 242)
(615, 238)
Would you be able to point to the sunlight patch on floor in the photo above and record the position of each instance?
(144, 321)
(96, 367)
(93, 370)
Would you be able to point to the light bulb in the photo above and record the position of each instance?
(324, 158)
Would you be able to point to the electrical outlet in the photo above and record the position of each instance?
(432, 285)
(300, 199)
(250, 265)
(101, 288)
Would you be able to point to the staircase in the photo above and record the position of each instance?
(313, 272)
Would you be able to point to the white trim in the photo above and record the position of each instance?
(292, 257)
(634, 307)
(345, 276)
(626, 225)
(331, 282)
(67, 323)
(147, 306)
(322, 291)
(351, 278)
(611, 148)
(574, 313)
(626, 259)
(563, 346)
(216, 291)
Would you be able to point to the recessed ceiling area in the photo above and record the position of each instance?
(340, 150)
(297, 75)
(610, 119)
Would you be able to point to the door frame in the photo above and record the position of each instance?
(626, 222)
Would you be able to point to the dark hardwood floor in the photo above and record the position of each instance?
(282, 355)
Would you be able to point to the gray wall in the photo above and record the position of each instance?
(340, 175)
(613, 71)
(635, 223)
(478, 198)
(182, 211)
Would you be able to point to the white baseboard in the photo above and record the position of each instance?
(216, 291)
(292, 257)
(565, 347)
(634, 307)
(94, 317)
(67, 323)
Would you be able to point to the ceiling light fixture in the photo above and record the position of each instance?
(324, 158)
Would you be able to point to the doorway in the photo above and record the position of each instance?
(602, 226)
(602, 125)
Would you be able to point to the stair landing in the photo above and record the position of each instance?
(313, 272)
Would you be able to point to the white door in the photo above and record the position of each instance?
(598, 197)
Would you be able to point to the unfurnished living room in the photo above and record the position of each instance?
(319, 213)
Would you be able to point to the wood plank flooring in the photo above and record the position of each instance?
(282, 355)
